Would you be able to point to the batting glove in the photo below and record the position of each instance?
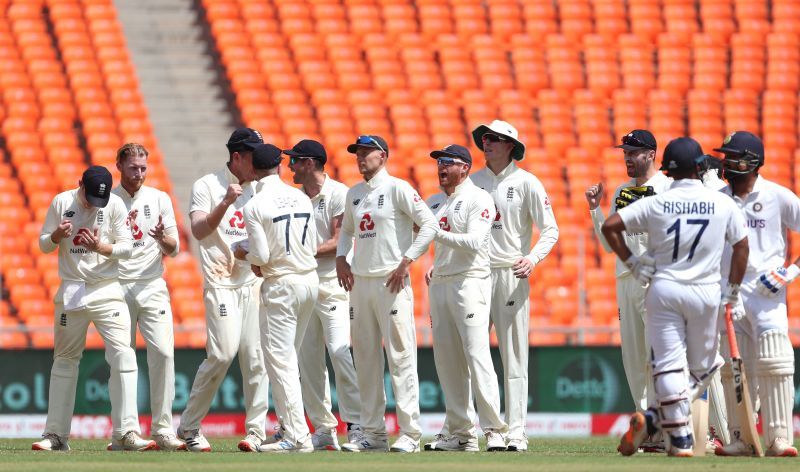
(730, 296)
(642, 268)
(771, 283)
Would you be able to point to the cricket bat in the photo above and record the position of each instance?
(744, 406)
(700, 424)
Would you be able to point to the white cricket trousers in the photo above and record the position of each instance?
(510, 315)
(232, 327)
(379, 317)
(287, 303)
(635, 349)
(113, 323)
(681, 327)
(148, 304)
(329, 327)
(460, 317)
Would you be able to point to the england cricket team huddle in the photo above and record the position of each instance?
(290, 272)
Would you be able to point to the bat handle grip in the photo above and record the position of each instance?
(734, 346)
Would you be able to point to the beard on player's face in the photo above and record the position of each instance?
(637, 163)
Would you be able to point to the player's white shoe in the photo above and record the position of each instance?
(365, 444)
(495, 442)
(737, 447)
(277, 436)
(131, 441)
(781, 448)
(431, 446)
(250, 443)
(682, 446)
(636, 434)
(169, 442)
(354, 432)
(51, 442)
(405, 444)
(195, 441)
(325, 440)
(285, 446)
(454, 444)
(517, 445)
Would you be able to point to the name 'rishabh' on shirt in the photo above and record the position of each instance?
(688, 208)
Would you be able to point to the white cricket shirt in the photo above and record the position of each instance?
(637, 242)
(769, 210)
(146, 261)
(76, 263)
(461, 245)
(282, 235)
(380, 215)
(685, 225)
(328, 204)
(521, 202)
(220, 268)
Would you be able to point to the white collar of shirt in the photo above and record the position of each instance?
(322, 190)
(757, 187)
(462, 187)
(378, 179)
(266, 180)
(654, 179)
(127, 196)
(511, 167)
(686, 183)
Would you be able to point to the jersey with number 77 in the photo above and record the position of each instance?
(688, 225)
(281, 233)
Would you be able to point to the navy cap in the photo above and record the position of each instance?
(244, 139)
(97, 182)
(742, 142)
(682, 154)
(369, 141)
(310, 149)
(454, 151)
(638, 139)
(266, 156)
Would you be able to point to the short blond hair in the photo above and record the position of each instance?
(131, 150)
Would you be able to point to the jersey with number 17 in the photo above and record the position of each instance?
(281, 232)
(688, 226)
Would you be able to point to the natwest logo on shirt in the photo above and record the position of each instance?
(366, 223)
(237, 221)
(485, 214)
(443, 224)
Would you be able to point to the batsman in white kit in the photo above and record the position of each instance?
(151, 220)
(381, 213)
(684, 297)
(231, 292)
(763, 333)
(281, 243)
(521, 202)
(329, 327)
(460, 293)
(87, 227)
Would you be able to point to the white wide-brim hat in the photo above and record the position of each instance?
(500, 128)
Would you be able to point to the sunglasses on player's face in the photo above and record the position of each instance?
(295, 159)
(448, 161)
(493, 138)
(631, 141)
(369, 141)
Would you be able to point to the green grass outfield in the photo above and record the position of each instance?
(543, 454)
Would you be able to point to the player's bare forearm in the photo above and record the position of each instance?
(327, 248)
(612, 230)
(741, 252)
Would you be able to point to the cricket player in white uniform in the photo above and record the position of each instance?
(763, 334)
(639, 147)
(281, 243)
(684, 298)
(329, 327)
(87, 227)
(230, 295)
(151, 220)
(380, 213)
(460, 293)
(521, 202)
